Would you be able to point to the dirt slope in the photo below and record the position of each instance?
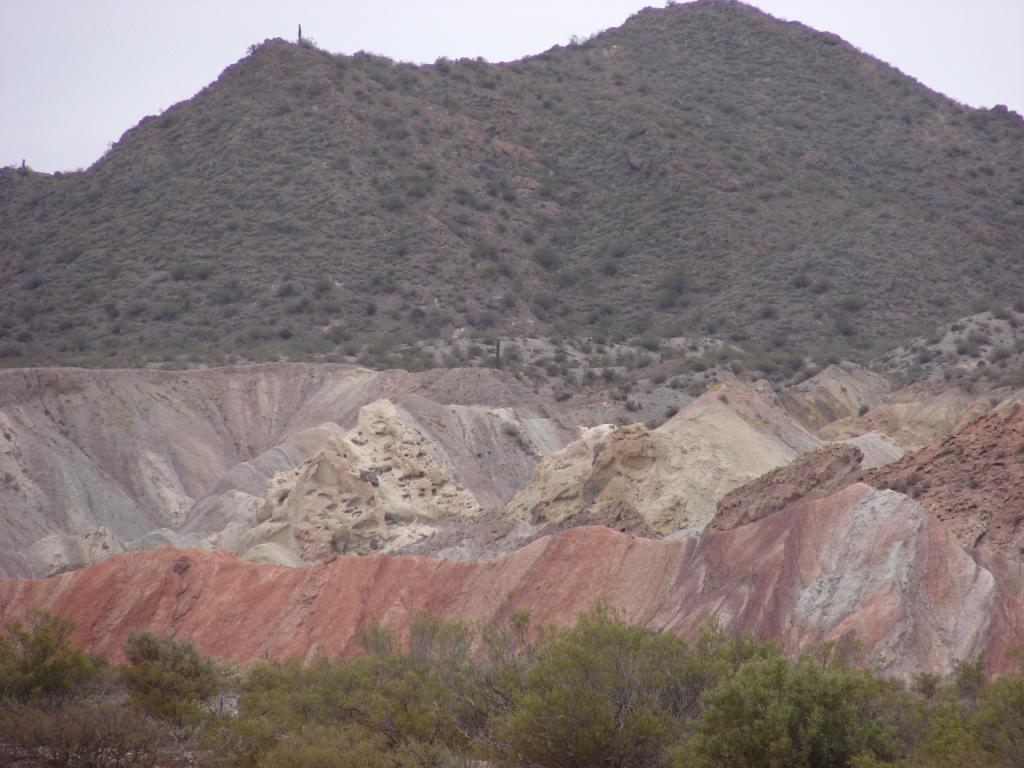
(840, 391)
(914, 415)
(868, 562)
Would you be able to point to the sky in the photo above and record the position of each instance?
(76, 74)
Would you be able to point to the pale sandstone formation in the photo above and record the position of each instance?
(672, 476)
(860, 562)
(380, 487)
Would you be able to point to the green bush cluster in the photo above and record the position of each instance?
(600, 693)
(62, 707)
(38, 661)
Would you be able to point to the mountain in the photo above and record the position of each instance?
(704, 169)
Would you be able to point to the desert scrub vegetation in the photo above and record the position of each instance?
(65, 708)
(602, 692)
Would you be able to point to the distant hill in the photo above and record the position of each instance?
(704, 169)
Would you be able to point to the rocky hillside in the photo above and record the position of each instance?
(293, 463)
(973, 480)
(703, 168)
(95, 461)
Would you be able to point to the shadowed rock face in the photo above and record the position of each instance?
(973, 481)
(811, 475)
(871, 563)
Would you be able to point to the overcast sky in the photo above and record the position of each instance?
(76, 74)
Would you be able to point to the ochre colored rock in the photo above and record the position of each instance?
(914, 415)
(837, 392)
(673, 476)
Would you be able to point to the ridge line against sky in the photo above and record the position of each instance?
(82, 72)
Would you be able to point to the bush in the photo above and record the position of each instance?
(38, 662)
(83, 734)
(547, 258)
(601, 693)
(167, 679)
(807, 714)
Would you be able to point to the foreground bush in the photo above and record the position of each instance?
(169, 680)
(601, 693)
(87, 734)
(38, 661)
(803, 714)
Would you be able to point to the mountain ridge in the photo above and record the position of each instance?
(702, 168)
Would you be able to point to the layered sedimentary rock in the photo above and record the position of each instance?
(811, 475)
(137, 457)
(914, 415)
(861, 562)
(837, 392)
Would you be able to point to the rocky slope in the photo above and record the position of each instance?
(377, 488)
(808, 476)
(92, 461)
(463, 493)
(671, 476)
(861, 562)
(973, 481)
(290, 462)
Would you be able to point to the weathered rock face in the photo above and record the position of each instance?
(673, 476)
(186, 457)
(973, 481)
(811, 475)
(378, 488)
(871, 563)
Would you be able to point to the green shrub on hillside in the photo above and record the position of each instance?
(803, 714)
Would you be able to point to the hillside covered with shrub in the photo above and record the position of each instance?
(704, 169)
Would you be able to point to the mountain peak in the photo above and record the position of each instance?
(703, 169)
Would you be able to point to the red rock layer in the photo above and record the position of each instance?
(861, 561)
